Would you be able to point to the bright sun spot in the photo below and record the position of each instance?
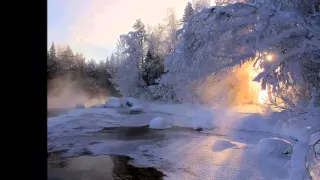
(262, 97)
(269, 57)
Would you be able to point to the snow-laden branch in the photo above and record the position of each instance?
(225, 36)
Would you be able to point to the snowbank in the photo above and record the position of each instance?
(113, 102)
(297, 162)
(159, 123)
(222, 144)
(130, 100)
(79, 106)
(274, 146)
(203, 119)
(98, 106)
(299, 126)
(313, 156)
(255, 122)
(186, 110)
(136, 109)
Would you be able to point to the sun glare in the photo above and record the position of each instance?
(262, 97)
(269, 57)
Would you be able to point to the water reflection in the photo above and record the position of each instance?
(103, 167)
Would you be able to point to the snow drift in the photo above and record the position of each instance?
(159, 123)
(274, 146)
(222, 144)
(113, 102)
(136, 109)
(203, 119)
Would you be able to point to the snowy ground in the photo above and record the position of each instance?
(227, 148)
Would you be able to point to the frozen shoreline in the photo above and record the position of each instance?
(244, 129)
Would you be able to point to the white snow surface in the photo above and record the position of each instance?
(159, 123)
(299, 127)
(136, 108)
(230, 140)
(222, 144)
(98, 106)
(203, 119)
(297, 161)
(113, 102)
(274, 146)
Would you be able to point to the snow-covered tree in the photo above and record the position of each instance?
(131, 53)
(112, 67)
(188, 11)
(200, 4)
(222, 37)
(152, 68)
(52, 52)
(171, 27)
(225, 2)
(52, 65)
(66, 59)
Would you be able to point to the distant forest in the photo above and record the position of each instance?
(91, 76)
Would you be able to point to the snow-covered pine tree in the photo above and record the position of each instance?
(152, 68)
(52, 52)
(112, 67)
(52, 65)
(188, 11)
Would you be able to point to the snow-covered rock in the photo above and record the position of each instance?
(298, 126)
(274, 146)
(202, 120)
(317, 148)
(297, 161)
(314, 138)
(159, 123)
(222, 144)
(130, 100)
(312, 161)
(79, 106)
(136, 109)
(98, 106)
(113, 102)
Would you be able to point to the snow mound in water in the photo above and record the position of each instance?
(136, 109)
(222, 144)
(203, 119)
(130, 100)
(113, 102)
(79, 106)
(98, 106)
(159, 123)
(274, 146)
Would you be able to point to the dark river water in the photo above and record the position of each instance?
(56, 111)
(102, 167)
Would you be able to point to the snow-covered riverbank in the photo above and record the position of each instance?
(228, 147)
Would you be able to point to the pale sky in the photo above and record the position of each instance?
(93, 26)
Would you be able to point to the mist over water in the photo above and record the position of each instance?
(66, 93)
